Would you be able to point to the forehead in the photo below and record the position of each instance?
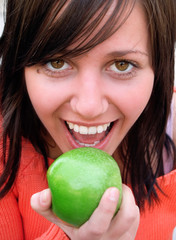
(79, 26)
(132, 33)
(103, 23)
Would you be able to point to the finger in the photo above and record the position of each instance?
(100, 220)
(126, 221)
(41, 203)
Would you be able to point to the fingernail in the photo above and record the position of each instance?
(33, 199)
(113, 194)
(44, 196)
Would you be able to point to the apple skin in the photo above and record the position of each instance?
(77, 180)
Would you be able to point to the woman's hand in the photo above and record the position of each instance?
(101, 225)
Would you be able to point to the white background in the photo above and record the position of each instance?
(1, 18)
(1, 24)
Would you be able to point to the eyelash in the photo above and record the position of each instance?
(126, 74)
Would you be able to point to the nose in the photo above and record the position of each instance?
(89, 101)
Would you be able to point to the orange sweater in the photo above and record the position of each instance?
(18, 221)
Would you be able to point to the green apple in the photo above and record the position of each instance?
(77, 180)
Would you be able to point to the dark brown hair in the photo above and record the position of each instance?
(34, 33)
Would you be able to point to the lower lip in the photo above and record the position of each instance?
(101, 145)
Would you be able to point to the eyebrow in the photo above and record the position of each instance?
(126, 52)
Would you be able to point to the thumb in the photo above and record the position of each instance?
(41, 203)
(41, 200)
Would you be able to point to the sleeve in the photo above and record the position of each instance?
(11, 224)
(10, 219)
(53, 233)
(18, 220)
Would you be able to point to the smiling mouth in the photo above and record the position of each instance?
(88, 136)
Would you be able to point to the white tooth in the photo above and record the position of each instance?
(83, 130)
(100, 129)
(92, 130)
(76, 128)
(105, 127)
(71, 125)
(88, 145)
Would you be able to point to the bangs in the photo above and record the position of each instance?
(76, 23)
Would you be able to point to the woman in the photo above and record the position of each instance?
(87, 73)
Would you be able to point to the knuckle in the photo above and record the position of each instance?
(127, 190)
(97, 231)
(107, 209)
(133, 214)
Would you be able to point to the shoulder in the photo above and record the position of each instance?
(31, 160)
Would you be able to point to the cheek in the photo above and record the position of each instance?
(41, 100)
(45, 96)
(133, 97)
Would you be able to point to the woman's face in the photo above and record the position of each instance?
(95, 98)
